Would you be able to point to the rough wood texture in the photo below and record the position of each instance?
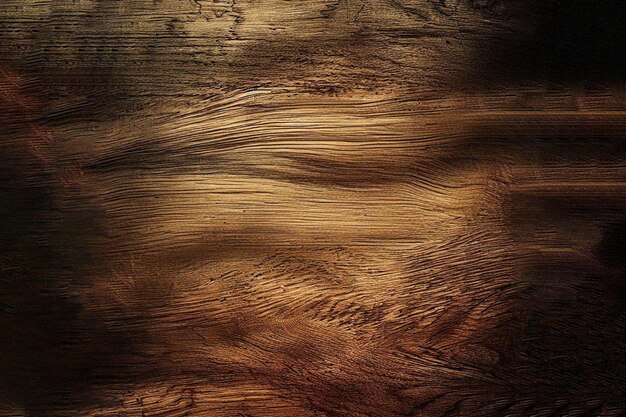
(337, 208)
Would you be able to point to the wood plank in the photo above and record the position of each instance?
(269, 208)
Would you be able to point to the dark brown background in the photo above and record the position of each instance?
(332, 208)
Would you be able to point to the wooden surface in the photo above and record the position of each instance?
(336, 208)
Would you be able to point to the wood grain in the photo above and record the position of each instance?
(313, 208)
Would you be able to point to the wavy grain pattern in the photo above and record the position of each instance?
(332, 208)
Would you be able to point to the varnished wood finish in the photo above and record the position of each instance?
(339, 208)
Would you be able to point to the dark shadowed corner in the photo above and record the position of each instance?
(562, 42)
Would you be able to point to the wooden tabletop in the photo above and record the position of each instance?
(313, 208)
